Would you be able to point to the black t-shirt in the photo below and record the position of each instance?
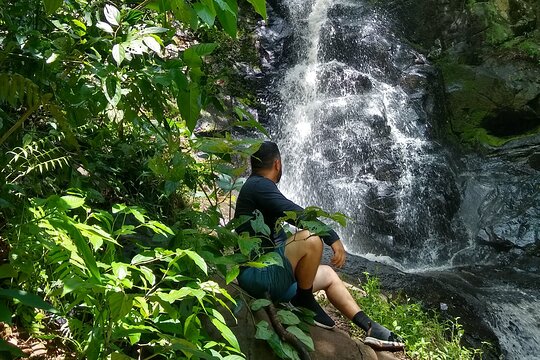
(260, 193)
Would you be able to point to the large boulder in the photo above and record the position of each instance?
(329, 344)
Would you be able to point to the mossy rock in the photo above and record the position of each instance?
(488, 109)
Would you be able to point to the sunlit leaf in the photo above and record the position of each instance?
(148, 274)
(120, 270)
(226, 333)
(232, 274)
(175, 295)
(118, 53)
(153, 30)
(72, 202)
(259, 6)
(197, 259)
(112, 90)
(105, 27)
(120, 305)
(79, 24)
(142, 258)
(112, 14)
(152, 43)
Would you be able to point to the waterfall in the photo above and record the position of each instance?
(353, 140)
(354, 110)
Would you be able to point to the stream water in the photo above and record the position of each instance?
(353, 112)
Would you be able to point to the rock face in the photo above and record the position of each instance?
(489, 53)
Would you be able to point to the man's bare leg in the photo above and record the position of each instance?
(338, 294)
(304, 252)
(378, 336)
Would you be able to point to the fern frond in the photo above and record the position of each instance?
(41, 155)
(17, 90)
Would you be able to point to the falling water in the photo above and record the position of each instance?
(351, 139)
(357, 137)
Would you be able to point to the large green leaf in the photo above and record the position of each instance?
(302, 336)
(232, 274)
(183, 11)
(258, 224)
(71, 201)
(27, 299)
(190, 104)
(226, 333)
(120, 305)
(259, 304)
(7, 271)
(264, 332)
(52, 5)
(197, 259)
(205, 13)
(189, 348)
(288, 317)
(83, 249)
(259, 6)
(226, 14)
(247, 245)
(175, 295)
(5, 313)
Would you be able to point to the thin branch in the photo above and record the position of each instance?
(18, 123)
(283, 333)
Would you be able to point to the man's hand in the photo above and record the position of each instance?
(339, 254)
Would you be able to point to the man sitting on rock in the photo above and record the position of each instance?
(301, 274)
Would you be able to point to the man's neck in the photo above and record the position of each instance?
(268, 174)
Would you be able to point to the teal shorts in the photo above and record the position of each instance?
(278, 281)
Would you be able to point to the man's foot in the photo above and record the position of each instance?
(321, 318)
(380, 338)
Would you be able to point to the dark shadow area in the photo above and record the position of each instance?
(509, 122)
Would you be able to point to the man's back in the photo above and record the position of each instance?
(262, 194)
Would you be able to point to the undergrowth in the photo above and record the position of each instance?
(426, 334)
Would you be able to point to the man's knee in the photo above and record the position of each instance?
(308, 239)
(329, 274)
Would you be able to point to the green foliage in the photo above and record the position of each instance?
(296, 322)
(111, 204)
(309, 220)
(114, 300)
(426, 335)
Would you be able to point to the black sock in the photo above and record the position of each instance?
(376, 330)
(304, 298)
